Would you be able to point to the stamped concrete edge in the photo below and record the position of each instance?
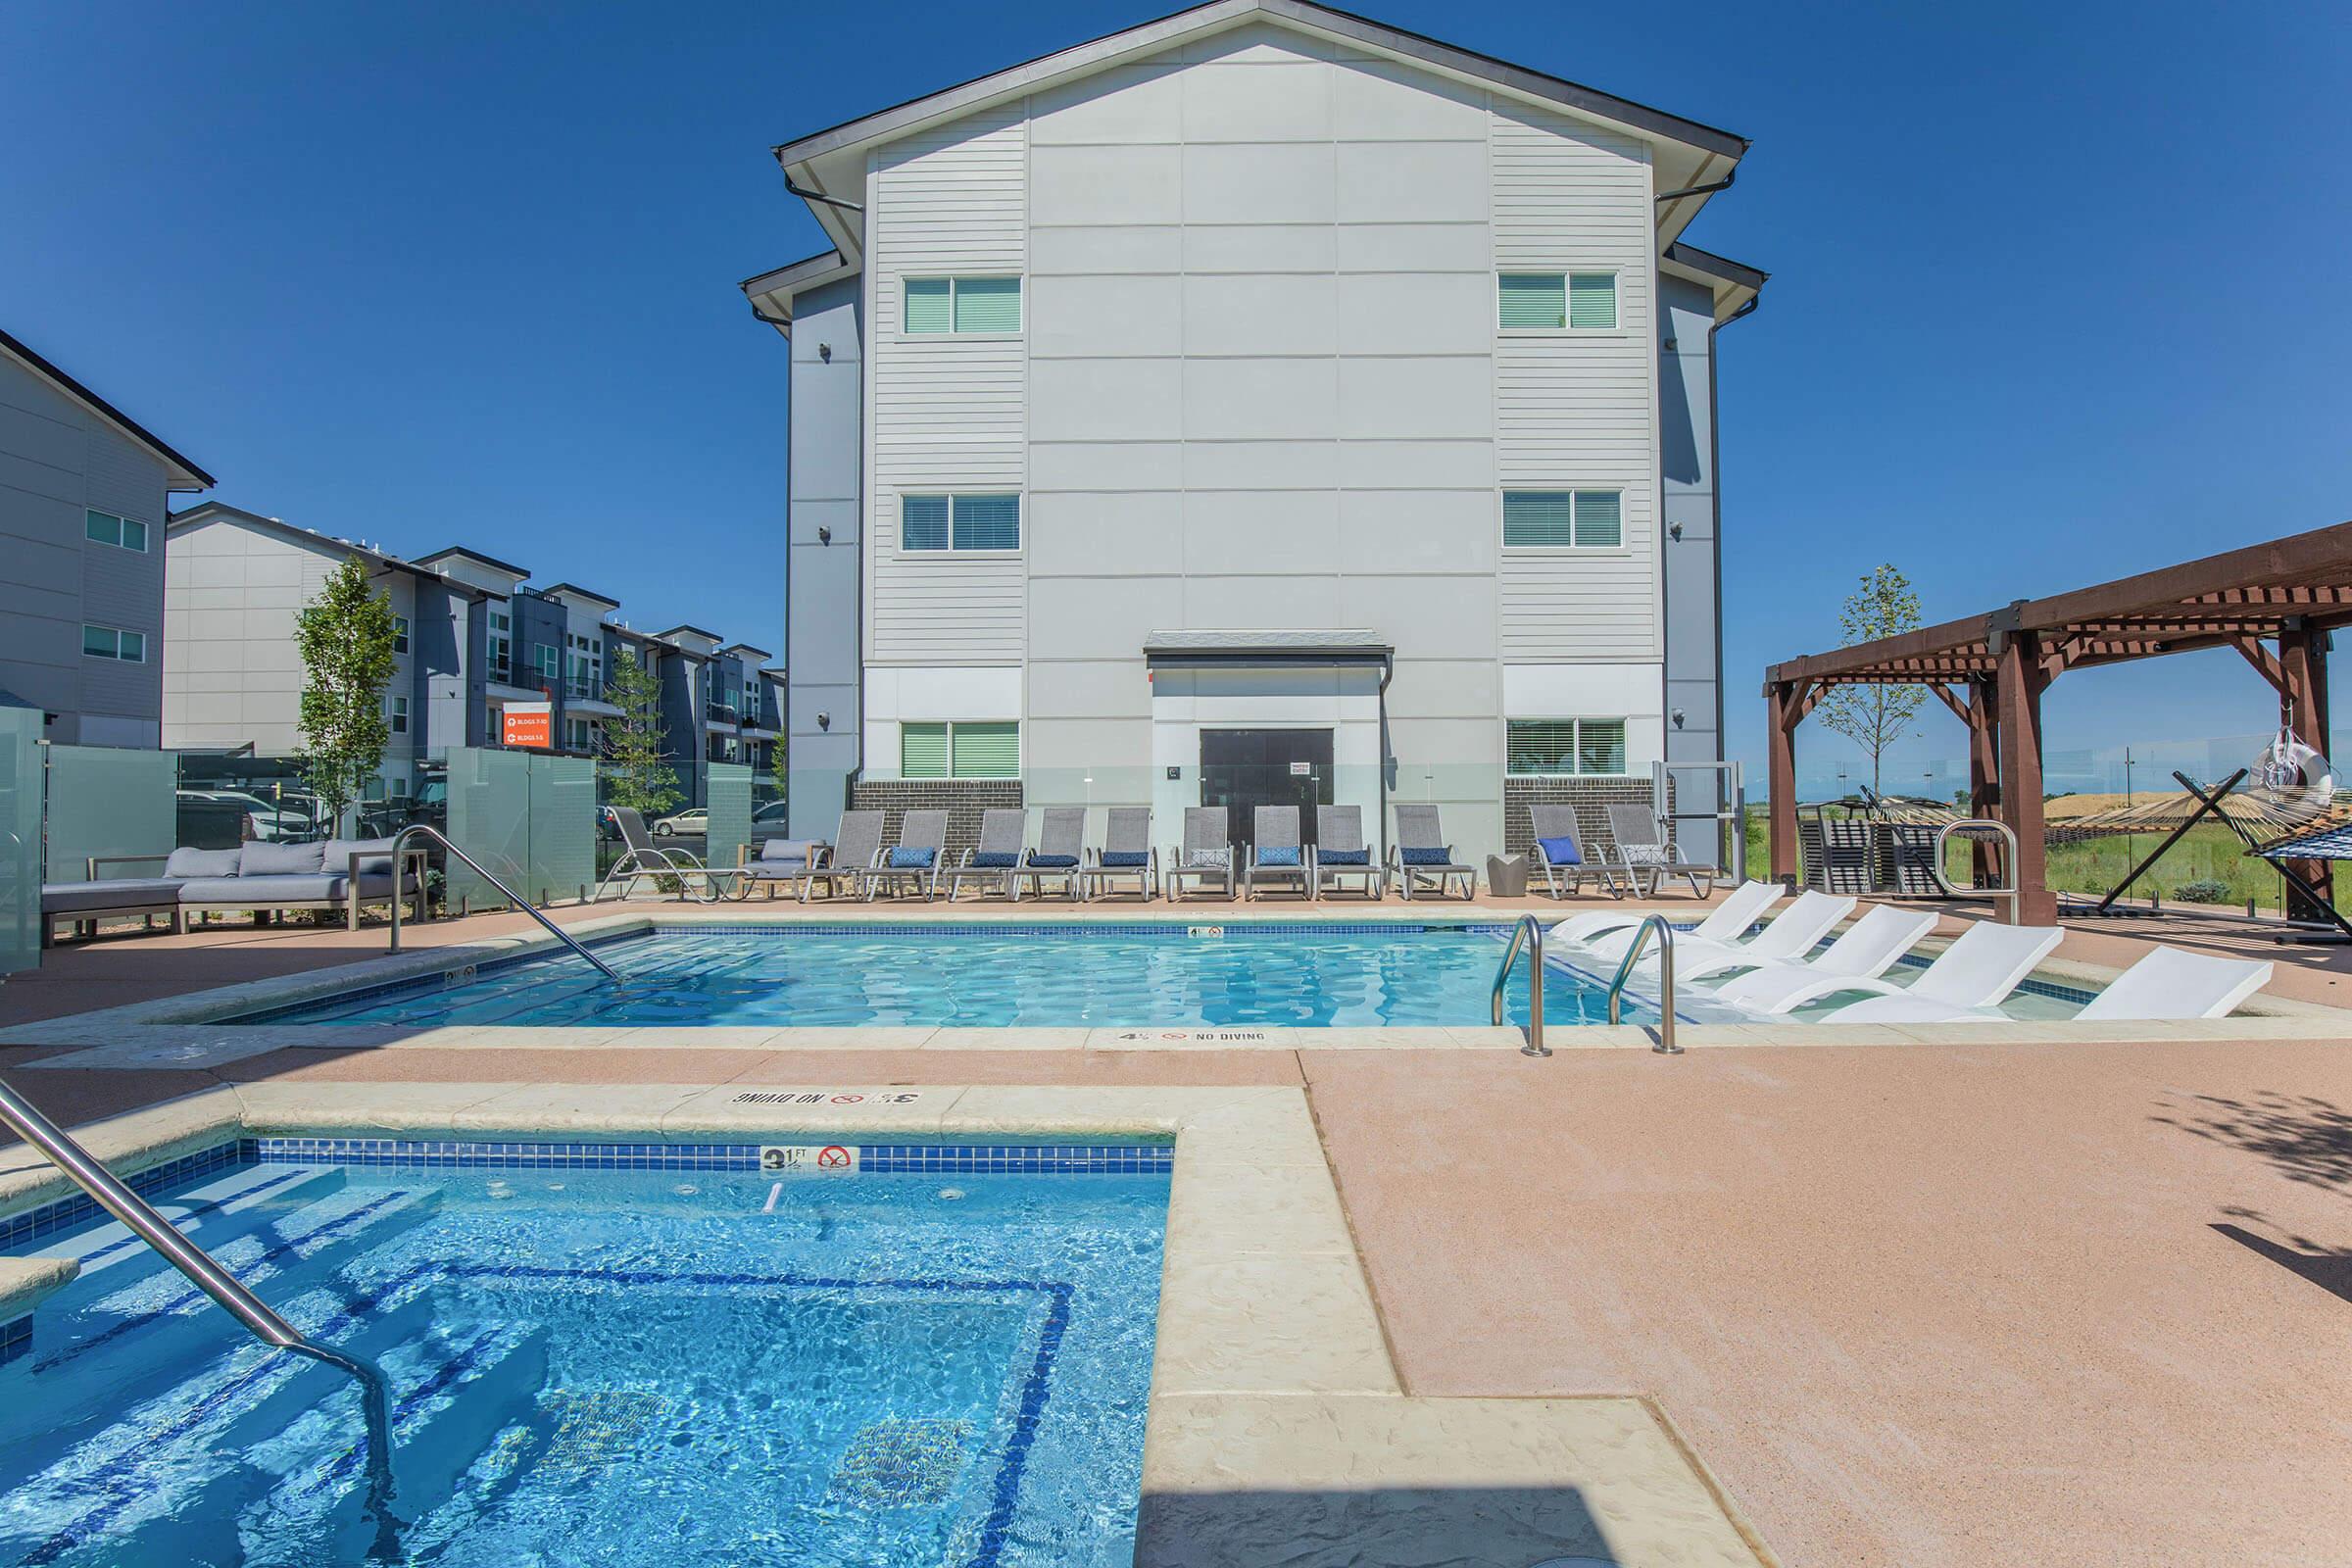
(1266, 1314)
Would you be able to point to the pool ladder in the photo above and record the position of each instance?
(1528, 935)
(109, 1193)
(423, 830)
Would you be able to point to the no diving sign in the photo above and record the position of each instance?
(826, 1159)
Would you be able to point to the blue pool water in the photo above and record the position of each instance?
(1127, 976)
(625, 1368)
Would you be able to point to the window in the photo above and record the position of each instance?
(105, 528)
(400, 634)
(966, 750)
(549, 660)
(108, 642)
(960, 522)
(963, 304)
(1561, 519)
(579, 735)
(1550, 302)
(397, 710)
(502, 657)
(1566, 746)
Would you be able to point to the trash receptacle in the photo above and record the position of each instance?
(1506, 875)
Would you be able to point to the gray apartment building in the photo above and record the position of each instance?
(84, 492)
(475, 637)
(1261, 405)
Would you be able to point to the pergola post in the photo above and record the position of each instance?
(2303, 712)
(2018, 684)
(1983, 773)
(1785, 708)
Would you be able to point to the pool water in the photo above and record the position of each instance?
(604, 1367)
(1120, 977)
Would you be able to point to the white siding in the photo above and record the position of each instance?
(948, 413)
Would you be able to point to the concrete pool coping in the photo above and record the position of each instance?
(190, 1029)
(1277, 1414)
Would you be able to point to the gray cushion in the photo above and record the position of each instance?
(280, 860)
(789, 851)
(261, 892)
(110, 892)
(337, 854)
(201, 862)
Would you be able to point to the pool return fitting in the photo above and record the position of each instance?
(109, 1193)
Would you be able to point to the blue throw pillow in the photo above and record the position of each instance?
(993, 861)
(1427, 857)
(1287, 856)
(1052, 862)
(1125, 860)
(1561, 852)
(1344, 856)
(905, 859)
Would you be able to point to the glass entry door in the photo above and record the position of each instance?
(1242, 769)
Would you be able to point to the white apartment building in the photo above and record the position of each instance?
(1261, 405)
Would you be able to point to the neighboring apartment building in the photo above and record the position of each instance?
(84, 493)
(474, 637)
(1261, 405)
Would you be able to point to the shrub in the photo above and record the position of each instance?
(2205, 890)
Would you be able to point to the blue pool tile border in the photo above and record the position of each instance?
(65, 1215)
(16, 1337)
(2056, 991)
(882, 1159)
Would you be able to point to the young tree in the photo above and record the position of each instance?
(345, 636)
(1875, 717)
(637, 776)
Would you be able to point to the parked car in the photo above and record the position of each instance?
(693, 822)
(266, 822)
(768, 822)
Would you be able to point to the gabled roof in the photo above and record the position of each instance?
(491, 562)
(218, 511)
(831, 162)
(184, 476)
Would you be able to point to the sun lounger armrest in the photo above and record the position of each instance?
(97, 861)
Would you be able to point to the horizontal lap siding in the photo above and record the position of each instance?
(1573, 411)
(948, 412)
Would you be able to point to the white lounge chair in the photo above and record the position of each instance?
(1739, 909)
(1965, 983)
(1863, 951)
(1792, 934)
(2171, 984)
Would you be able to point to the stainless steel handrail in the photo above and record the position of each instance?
(1650, 924)
(2008, 862)
(1529, 935)
(515, 899)
(107, 1190)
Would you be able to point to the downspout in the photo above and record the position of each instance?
(1387, 673)
(1715, 471)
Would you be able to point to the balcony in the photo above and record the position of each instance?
(584, 688)
(719, 712)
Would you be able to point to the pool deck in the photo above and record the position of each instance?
(1989, 1299)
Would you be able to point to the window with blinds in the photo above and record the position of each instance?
(1564, 747)
(986, 750)
(972, 748)
(922, 750)
(963, 304)
(1561, 520)
(1549, 302)
(960, 522)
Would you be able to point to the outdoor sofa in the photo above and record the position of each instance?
(346, 874)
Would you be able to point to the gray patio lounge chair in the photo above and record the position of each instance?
(1126, 851)
(1421, 854)
(1339, 851)
(641, 857)
(1644, 850)
(1276, 856)
(1207, 852)
(782, 865)
(915, 862)
(1563, 877)
(1060, 853)
(996, 857)
(856, 847)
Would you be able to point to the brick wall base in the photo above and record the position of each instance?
(1591, 797)
(962, 799)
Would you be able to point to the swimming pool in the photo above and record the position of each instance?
(1105, 976)
(942, 1358)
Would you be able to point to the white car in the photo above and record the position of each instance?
(267, 822)
(684, 824)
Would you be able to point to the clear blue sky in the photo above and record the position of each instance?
(2058, 290)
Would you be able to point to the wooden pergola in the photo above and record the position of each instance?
(2275, 603)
